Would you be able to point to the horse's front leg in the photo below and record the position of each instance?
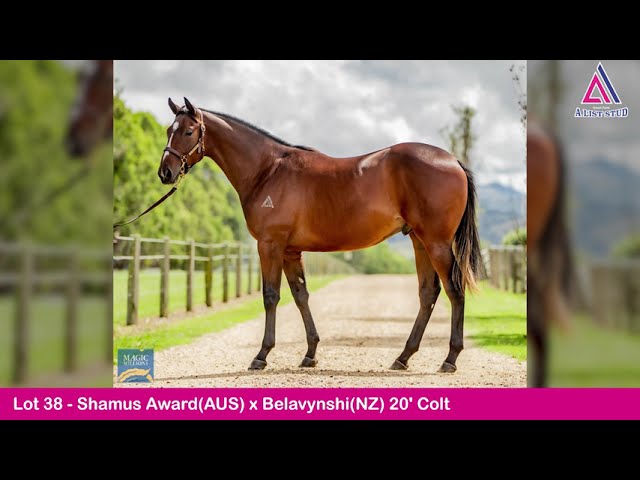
(271, 260)
(294, 272)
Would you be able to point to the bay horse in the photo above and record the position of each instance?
(298, 199)
(91, 119)
(551, 285)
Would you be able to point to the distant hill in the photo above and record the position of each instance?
(604, 204)
(500, 209)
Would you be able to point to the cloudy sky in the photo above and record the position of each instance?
(347, 108)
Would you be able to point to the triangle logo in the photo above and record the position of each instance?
(601, 83)
(267, 202)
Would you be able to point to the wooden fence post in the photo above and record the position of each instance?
(493, 266)
(165, 267)
(515, 263)
(249, 271)
(504, 263)
(190, 270)
(208, 278)
(259, 272)
(521, 271)
(133, 285)
(225, 273)
(239, 271)
(25, 291)
(73, 292)
(109, 317)
(597, 286)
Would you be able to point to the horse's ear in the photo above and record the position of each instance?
(174, 108)
(191, 108)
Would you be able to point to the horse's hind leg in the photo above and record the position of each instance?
(429, 289)
(294, 272)
(442, 259)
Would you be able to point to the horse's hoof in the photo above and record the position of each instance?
(398, 365)
(309, 362)
(257, 364)
(447, 368)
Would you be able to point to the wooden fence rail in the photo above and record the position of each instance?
(506, 267)
(68, 277)
(210, 255)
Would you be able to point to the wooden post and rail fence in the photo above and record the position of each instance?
(614, 294)
(227, 259)
(226, 256)
(23, 275)
(610, 287)
(506, 267)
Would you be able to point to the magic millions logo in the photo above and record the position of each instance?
(600, 99)
(135, 365)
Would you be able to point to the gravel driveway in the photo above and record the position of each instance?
(363, 322)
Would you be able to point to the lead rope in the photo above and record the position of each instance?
(158, 202)
(183, 171)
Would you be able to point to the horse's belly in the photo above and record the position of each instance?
(345, 233)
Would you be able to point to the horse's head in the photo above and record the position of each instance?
(92, 115)
(185, 137)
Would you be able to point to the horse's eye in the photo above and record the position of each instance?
(188, 133)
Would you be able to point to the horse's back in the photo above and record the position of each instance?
(396, 173)
(422, 152)
(315, 163)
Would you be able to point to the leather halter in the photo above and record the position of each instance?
(184, 158)
(184, 169)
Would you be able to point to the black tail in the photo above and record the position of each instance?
(466, 247)
(552, 286)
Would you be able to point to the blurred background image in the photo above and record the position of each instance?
(595, 340)
(55, 222)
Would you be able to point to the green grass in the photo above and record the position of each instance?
(187, 330)
(46, 334)
(497, 320)
(149, 305)
(592, 356)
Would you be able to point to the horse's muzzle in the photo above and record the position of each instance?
(166, 175)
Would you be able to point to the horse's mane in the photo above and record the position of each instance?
(258, 129)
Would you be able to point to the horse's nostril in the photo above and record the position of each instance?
(165, 174)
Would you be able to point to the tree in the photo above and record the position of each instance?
(628, 247)
(206, 208)
(460, 136)
(517, 236)
(36, 99)
(380, 258)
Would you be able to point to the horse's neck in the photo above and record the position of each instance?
(240, 152)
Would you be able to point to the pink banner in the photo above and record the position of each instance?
(318, 404)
